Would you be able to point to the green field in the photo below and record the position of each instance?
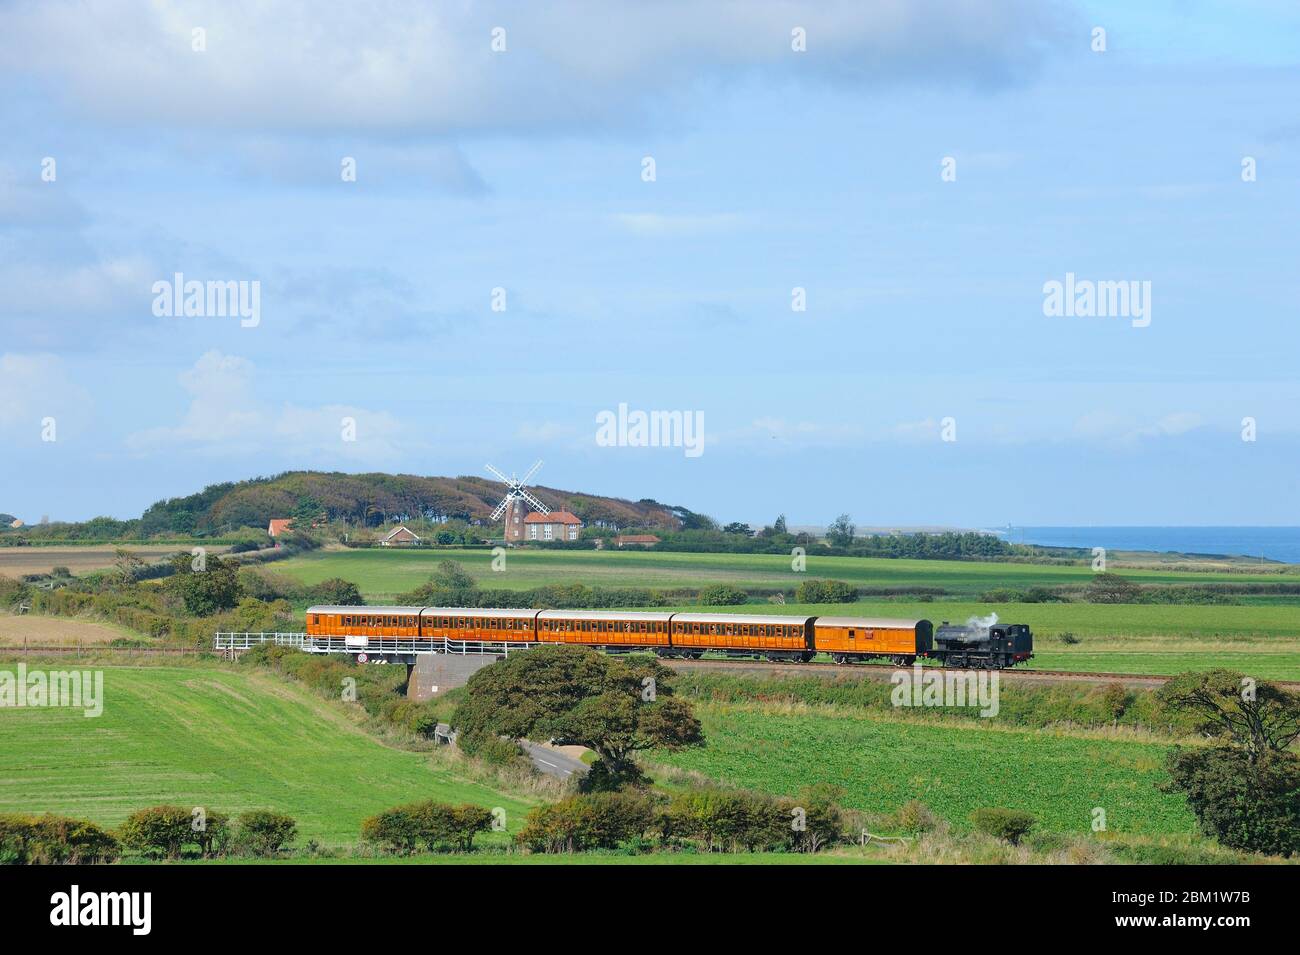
(1261, 637)
(382, 573)
(883, 762)
(222, 739)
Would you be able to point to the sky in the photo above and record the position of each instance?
(561, 209)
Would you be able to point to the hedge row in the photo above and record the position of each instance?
(164, 832)
(710, 819)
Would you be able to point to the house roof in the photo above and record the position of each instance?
(555, 517)
(397, 530)
(279, 525)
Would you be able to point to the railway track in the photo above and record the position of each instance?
(882, 671)
(875, 671)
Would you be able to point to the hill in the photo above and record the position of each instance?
(228, 740)
(375, 499)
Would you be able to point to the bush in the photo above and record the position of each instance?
(53, 840)
(1009, 825)
(491, 749)
(336, 592)
(731, 820)
(264, 833)
(915, 817)
(1249, 805)
(159, 830)
(603, 820)
(432, 825)
(722, 595)
(826, 592)
(1107, 588)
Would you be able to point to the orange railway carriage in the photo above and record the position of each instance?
(478, 624)
(777, 638)
(854, 638)
(603, 628)
(325, 621)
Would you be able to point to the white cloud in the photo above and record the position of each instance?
(405, 65)
(34, 387)
(225, 417)
(1125, 428)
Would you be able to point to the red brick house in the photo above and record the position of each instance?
(279, 525)
(555, 526)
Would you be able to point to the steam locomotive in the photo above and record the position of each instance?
(993, 647)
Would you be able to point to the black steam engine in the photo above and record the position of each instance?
(994, 647)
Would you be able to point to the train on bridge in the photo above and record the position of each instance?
(682, 635)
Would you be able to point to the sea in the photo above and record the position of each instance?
(1271, 543)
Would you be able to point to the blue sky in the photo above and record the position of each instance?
(775, 169)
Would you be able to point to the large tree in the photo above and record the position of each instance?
(841, 532)
(1228, 706)
(1245, 793)
(205, 586)
(573, 695)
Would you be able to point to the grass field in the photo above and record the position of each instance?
(226, 740)
(381, 573)
(883, 762)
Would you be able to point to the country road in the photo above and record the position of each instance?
(552, 761)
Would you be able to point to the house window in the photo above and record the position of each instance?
(547, 532)
(573, 532)
(532, 532)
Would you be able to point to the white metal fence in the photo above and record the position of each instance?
(234, 642)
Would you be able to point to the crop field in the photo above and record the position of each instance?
(381, 573)
(883, 762)
(56, 631)
(227, 740)
(16, 561)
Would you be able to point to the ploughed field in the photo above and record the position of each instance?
(226, 740)
(17, 561)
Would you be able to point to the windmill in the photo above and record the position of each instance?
(511, 504)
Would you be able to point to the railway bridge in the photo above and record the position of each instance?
(433, 664)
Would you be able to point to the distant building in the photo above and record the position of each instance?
(515, 511)
(636, 540)
(555, 526)
(398, 537)
(16, 523)
(279, 525)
